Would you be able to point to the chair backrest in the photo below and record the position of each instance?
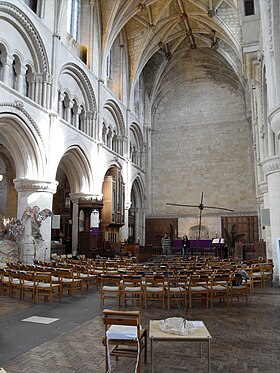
(125, 318)
(113, 280)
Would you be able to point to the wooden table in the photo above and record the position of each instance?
(200, 335)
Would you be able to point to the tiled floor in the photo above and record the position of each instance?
(244, 338)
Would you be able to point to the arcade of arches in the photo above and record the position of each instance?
(109, 110)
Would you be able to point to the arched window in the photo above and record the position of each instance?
(115, 142)
(27, 82)
(109, 65)
(73, 21)
(32, 4)
(104, 131)
(82, 119)
(109, 137)
(15, 71)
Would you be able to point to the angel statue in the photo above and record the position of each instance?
(37, 217)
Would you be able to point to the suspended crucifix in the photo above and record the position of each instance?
(201, 207)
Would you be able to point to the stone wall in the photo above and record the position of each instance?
(201, 140)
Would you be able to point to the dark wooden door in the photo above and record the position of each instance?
(155, 229)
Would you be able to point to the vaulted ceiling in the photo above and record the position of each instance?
(169, 28)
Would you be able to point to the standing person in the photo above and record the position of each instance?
(166, 244)
(185, 247)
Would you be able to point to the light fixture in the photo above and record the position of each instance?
(1, 177)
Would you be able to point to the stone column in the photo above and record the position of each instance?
(35, 193)
(75, 220)
(271, 167)
(7, 65)
(20, 79)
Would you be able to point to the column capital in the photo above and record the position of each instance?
(271, 165)
(35, 185)
(274, 120)
(263, 187)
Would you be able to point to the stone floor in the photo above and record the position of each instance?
(244, 338)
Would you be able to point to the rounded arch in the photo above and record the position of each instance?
(115, 111)
(76, 166)
(83, 82)
(22, 23)
(23, 141)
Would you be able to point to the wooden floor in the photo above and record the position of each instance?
(244, 338)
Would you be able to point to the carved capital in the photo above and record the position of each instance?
(271, 165)
(274, 119)
(263, 187)
(35, 185)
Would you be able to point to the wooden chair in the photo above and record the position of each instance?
(15, 283)
(238, 287)
(110, 288)
(257, 274)
(123, 331)
(44, 286)
(70, 281)
(267, 270)
(28, 284)
(131, 289)
(219, 287)
(154, 289)
(4, 282)
(176, 289)
(198, 289)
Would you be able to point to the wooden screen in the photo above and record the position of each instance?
(155, 229)
(247, 225)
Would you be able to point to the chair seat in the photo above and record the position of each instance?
(198, 288)
(122, 332)
(154, 289)
(43, 285)
(110, 288)
(132, 289)
(219, 287)
(176, 290)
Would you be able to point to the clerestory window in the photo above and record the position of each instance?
(249, 7)
(73, 19)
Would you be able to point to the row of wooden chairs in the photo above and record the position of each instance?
(37, 280)
(35, 283)
(183, 289)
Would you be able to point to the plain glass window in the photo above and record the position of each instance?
(249, 7)
(73, 20)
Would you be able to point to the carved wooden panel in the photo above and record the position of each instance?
(155, 229)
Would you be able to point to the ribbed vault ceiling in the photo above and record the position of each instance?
(171, 27)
